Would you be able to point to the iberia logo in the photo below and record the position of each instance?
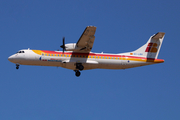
(152, 47)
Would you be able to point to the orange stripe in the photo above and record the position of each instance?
(122, 57)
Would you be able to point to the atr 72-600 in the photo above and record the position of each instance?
(78, 56)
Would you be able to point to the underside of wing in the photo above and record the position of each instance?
(86, 40)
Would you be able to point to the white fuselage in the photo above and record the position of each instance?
(88, 60)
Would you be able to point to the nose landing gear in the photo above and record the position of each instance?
(17, 66)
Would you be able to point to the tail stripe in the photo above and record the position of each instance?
(149, 47)
(152, 47)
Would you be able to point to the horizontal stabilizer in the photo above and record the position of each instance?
(158, 35)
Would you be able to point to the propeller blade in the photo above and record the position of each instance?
(63, 49)
(63, 45)
(63, 41)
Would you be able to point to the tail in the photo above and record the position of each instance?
(151, 48)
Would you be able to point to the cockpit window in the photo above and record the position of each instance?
(20, 52)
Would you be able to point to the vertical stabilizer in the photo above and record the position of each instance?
(152, 47)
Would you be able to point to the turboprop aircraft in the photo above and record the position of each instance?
(78, 56)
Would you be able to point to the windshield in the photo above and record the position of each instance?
(20, 52)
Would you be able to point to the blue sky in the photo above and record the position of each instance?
(34, 92)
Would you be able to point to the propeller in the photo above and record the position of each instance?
(63, 46)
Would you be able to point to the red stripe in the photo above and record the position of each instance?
(100, 55)
(149, 47)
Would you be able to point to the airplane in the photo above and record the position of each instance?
(78, 56)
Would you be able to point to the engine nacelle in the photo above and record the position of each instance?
(71, 47)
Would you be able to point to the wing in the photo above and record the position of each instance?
(86, 40)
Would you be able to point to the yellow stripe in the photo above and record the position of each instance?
(39, 52)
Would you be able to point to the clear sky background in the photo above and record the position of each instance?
(35, 92)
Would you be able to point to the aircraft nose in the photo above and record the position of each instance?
(11, 58)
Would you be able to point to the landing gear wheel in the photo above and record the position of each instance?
(77, 73)
(17, 66)
(79, 66)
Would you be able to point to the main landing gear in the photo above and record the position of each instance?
(17, 66)
(77, 73)
(79, 67)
